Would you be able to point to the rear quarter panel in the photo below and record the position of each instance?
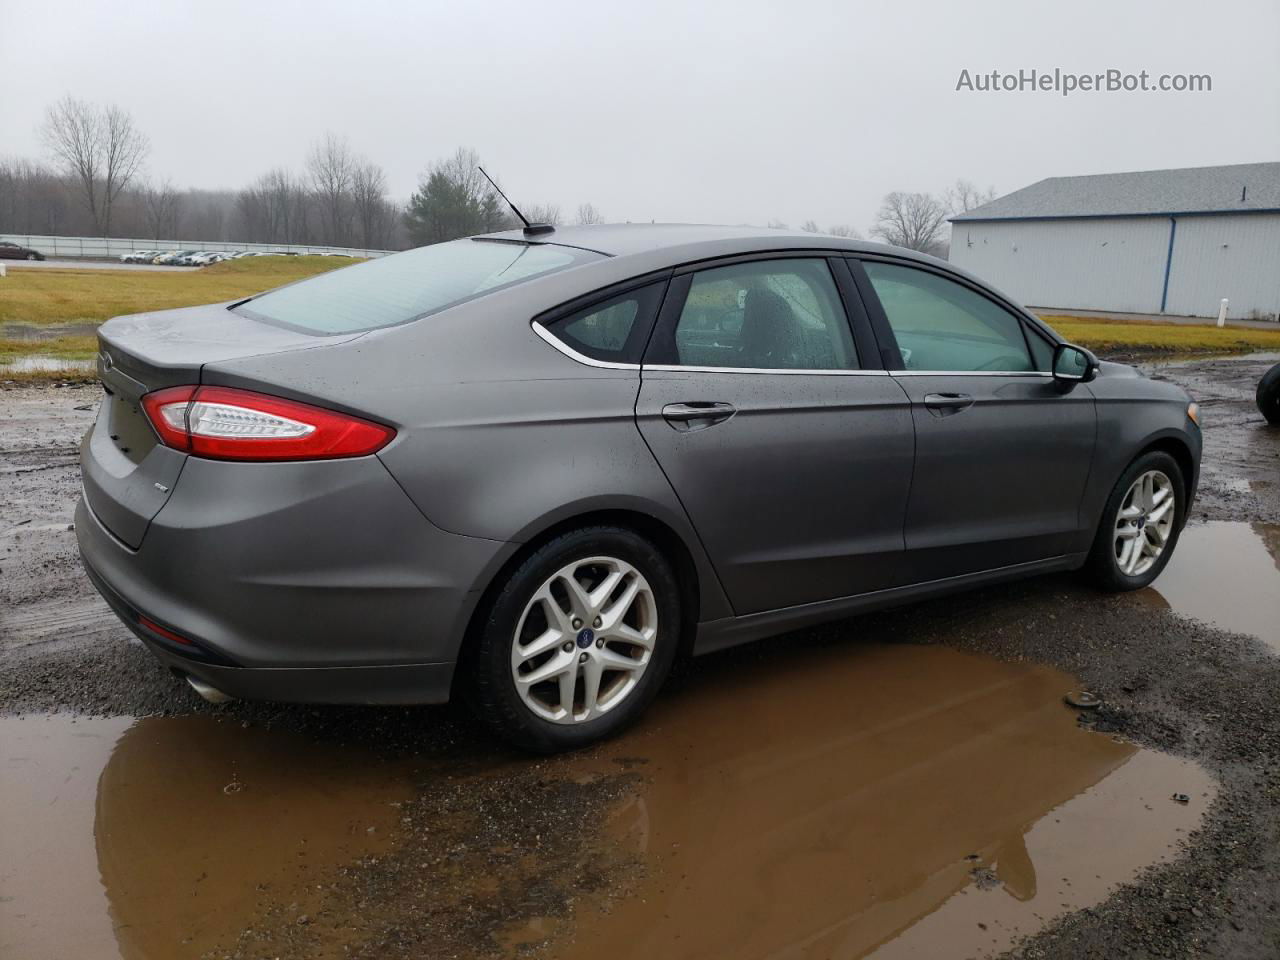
(500, 436)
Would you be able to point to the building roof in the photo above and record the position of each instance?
(1238, 188)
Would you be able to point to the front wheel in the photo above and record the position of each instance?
(578, 640)
(32, 256)
(1140, 524)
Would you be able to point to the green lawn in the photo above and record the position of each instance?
(1152, 336)
(37, 297)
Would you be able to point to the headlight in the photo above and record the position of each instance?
(1193, 411)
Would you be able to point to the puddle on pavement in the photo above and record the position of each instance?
(164, 837)
(1226, 574)
(895, 801)
(814, 801)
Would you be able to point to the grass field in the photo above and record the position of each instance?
(85, 295)
(1154, 337)
(82, 298)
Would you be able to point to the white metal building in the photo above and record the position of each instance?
(1156, 241)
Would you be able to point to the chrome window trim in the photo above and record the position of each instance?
(679, 368)
(573, 354)
(969, 373)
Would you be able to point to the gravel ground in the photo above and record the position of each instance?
(1167, 683)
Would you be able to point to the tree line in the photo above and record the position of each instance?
(93, 181)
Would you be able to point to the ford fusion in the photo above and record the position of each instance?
(535, 468)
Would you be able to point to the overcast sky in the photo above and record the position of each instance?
(736, 112)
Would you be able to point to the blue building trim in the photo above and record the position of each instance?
(1168, 262)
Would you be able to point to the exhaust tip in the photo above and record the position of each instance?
(210, 693)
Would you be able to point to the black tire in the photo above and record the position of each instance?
(1102, 567)
(489, 685)
(1268, 395)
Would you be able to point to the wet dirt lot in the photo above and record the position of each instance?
(908, 783)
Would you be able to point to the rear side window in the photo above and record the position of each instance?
(943, 325)
(409, 285)
(765, 314)
(612, 330)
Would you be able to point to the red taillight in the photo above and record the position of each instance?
(223, 423)
(163, 631)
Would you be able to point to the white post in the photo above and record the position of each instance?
(1, 269)
(1222, 313)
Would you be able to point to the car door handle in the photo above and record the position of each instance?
(945, 404)
(697, 414)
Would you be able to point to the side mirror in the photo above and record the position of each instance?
(1072, 364)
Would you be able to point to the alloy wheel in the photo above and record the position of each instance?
(584, 640)
(1144, 523)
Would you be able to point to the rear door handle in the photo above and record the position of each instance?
(697, 414)
(945, 404)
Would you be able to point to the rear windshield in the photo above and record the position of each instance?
(405, 286)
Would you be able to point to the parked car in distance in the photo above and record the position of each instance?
(11, 251)
(173, 257)
(535, 470)
(139, 256)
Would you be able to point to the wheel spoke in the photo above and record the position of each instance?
(549, 640)
(555, 614)
(1127, 532)
(600, 595)
(568, 683)
(612, 617)
(592, 671)
(626, 633)
(611, 660)
(579, 599)
(556, 666)
(1160, 512)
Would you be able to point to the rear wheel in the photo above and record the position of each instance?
(1268, 395)
(32, 256)
(1140, 524)
(578, 640)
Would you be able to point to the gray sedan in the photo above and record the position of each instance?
(536, 469)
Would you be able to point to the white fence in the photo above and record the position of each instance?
(111, 247)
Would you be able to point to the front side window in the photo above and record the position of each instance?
(765, 314)
(409, 285)
(942, 325)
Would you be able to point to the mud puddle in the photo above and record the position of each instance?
(886, 800)
(166, 837)
(1226, 574)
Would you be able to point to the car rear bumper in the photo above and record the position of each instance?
(316, 582)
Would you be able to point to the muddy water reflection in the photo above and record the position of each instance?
(165, 837)
(1226, 574)
(886, 798)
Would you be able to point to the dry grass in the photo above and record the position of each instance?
(1153, 336)
(85, 295)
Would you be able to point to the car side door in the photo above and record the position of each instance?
(787, 443)
(1003, 451)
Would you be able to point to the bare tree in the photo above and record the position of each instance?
(963, 196)
(161, 203)
(542, 213)
(588, 214)
(844, 230)
(368, 192)
(810, 226)
(98, 147)
(911, 220)
(778, 225)
(331, 168)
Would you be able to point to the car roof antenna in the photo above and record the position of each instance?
(530, 229)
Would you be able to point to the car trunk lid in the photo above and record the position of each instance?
(128, 474)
